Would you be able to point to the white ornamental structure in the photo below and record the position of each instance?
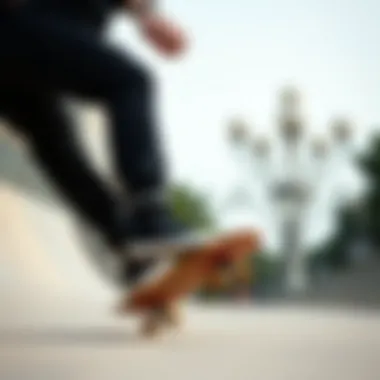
(291, 183)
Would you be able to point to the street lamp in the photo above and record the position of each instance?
(238, 131)
(290, 98)
(319, 148)
(261, 147)
(290, 120)
(342, 131)
(291, 189)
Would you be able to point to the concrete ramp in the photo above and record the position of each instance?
(43, 259)
(23, 255)
(41, 247)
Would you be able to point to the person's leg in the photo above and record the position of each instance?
(42, 52)
(46, 126)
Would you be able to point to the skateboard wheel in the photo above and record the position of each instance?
(172, 316)
(152, 326)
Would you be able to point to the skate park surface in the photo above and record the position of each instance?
(57, 317)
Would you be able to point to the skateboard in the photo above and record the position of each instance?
(156, 302)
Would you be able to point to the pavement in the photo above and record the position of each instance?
(69, 338)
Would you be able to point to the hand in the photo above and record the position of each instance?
(169, 39)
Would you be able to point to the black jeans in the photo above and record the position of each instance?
(43, 59)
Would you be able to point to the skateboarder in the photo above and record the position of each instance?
(51, 49)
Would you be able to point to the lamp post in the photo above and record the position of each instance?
(290, 186)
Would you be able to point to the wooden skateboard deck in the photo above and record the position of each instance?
(157, 300)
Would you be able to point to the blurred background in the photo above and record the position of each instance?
(272, 122)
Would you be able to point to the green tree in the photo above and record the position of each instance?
(334, 254)
(192, 207)
(370, 165)
(355, 221)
